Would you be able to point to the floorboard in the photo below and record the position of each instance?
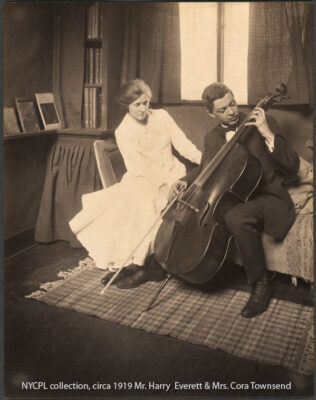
(52, 345)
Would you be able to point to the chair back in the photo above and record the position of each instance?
(110, 162)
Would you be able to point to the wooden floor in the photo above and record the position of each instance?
(52, 345)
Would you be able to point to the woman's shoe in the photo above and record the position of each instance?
(126, 271)
(141, 275)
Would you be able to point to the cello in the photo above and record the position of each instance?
(192, 241)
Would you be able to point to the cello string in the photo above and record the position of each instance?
(223, 152)
(193, 186)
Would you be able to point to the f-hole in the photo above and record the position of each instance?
(204, 222)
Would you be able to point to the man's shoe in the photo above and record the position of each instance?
(259, 299)
(142, 275)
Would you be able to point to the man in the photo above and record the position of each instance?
(269, 210)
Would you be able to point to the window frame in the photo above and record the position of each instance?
(220, 33)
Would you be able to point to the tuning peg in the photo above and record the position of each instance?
(281, 88)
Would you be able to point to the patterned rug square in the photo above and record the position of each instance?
(281, 336)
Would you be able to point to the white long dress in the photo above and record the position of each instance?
(114, 220)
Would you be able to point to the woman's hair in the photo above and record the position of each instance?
(131, 91)
(213, 92)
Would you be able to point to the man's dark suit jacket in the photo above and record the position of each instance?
(279, 210)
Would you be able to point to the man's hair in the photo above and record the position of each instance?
(131, 91)
(213, 92)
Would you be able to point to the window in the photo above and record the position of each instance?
(214, 47)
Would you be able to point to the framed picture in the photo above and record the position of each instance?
(47, 109)
(10, 121)
(28, 115)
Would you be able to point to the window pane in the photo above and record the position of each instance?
(236, 17)
(198, 34)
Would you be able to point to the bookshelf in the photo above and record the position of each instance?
(94, 108)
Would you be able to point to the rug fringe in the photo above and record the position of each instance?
(85, 264)
(307, 361)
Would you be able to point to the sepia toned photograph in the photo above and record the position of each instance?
(158, 199)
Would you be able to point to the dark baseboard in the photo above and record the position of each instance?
(18, 243)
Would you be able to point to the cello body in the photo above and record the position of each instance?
(192, 242)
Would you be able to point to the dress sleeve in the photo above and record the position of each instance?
(134, 160)
(180, 142)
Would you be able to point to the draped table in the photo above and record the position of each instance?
(71, 171)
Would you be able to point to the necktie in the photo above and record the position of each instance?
(229, 128)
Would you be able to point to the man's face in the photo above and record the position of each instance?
(226, 110)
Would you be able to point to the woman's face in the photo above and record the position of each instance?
(139, 108)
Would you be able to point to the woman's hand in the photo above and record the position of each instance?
(165, 190)
(176, 187)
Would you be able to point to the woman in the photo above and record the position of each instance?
(114, 220)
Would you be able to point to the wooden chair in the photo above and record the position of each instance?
(110, 162)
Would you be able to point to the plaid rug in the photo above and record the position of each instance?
(282, 336)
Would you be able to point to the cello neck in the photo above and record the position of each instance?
(210, 168)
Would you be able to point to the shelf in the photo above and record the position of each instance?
(98, 133)
(94, 96)
(18, 136)
(92, 85)
(93, 43)
(93, 40)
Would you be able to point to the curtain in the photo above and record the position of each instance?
(130, 62)
(152, 48)
(71, 171)
(280, 40)
(68, 65)
(299, 24)
(56, 76)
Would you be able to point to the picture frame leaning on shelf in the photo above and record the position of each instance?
(10, 122)
(48, 111)
(28, 115)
